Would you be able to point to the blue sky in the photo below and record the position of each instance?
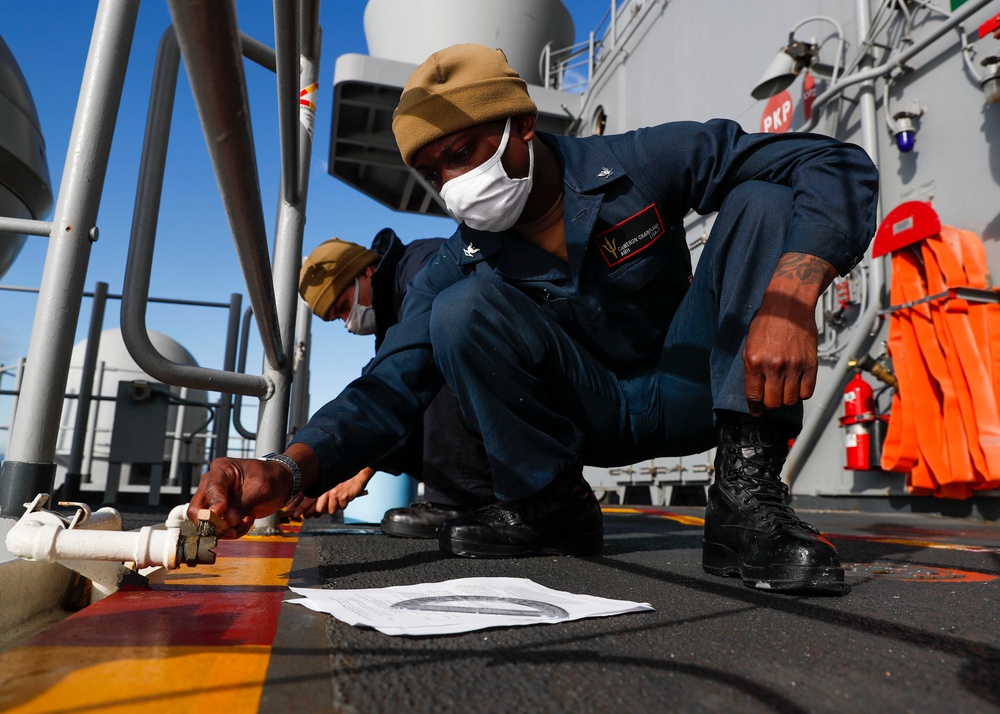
(195, 258)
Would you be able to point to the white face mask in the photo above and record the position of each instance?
(361, 319)
(486, 198)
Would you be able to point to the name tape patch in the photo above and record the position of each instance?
(630, 237)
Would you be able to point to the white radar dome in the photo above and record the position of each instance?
(411, 30)
(115, 365)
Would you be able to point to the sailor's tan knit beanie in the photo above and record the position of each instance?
(455, 88)
(329, 270)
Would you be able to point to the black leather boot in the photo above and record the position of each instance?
(750, 531)
(563, 518)
(422, 519)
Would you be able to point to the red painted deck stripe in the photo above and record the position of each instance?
(170, 618)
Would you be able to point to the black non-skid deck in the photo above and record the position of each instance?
(918, 632)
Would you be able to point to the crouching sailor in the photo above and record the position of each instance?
(565, 316)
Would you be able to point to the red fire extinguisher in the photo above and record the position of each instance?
(859, 415)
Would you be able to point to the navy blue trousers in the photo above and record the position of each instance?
(545, 405)
(455, 470)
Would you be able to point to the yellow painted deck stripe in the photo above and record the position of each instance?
(670, 516)
(234, 571)
(695, 521)
(44, 679)
(937, 545)
(48, 680)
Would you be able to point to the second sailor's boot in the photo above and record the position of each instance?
(750, 530)
(422, 519)
(564, 518)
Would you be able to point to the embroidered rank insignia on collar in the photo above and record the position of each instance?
(604, 172)
(470, 250)
(630, 237)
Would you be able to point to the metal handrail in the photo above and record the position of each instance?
(140, 255)
(555, 63)
(286, 50)
(26, 226)
(256, 51)
(209, 39)
(241, 365)
(115, 296)
(29, 468)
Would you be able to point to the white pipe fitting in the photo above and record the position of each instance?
(177, 518)
(103, 519)
(43, 536)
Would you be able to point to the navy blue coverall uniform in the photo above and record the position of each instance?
(442, 450)
(619, 354)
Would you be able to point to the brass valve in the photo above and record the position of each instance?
(880, 372)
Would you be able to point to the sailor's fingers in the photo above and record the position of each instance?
(755, 391)
(214, 493)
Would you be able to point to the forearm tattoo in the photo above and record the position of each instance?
(803, 268)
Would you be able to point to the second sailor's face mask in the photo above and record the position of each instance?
(361, 319)
(486, 198)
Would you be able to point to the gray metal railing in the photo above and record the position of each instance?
(29, 466)
(139, 262)
(572, 68)
(209, 40)
(81, 450)
(212, 48)
(26, 226)
(206, 33)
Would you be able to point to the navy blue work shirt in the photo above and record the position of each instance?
(624, 200)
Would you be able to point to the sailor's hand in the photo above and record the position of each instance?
(779, 355)
(241, 491)
(336, 499)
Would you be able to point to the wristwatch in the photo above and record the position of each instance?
(289, 462)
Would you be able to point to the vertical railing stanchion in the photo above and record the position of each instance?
(298, 413)
(273, 423)
(29, 468)
(18, 381)
(286, 53)
(175, 448)
(95, 413)
(225, 408)
(74, 468)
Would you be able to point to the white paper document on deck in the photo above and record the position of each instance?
(460, 605)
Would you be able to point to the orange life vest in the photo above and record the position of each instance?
(944, 428)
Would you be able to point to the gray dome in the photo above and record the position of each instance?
(521, 28)
(25, 189)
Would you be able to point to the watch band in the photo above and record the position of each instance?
(292, 466)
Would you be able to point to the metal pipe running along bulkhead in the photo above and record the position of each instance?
(826, 400)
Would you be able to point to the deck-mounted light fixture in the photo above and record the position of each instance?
(990, 81)
(989, 77)
(904, 131)
(785, 67)
(902, 125)
(797, 56)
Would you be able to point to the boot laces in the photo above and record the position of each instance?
(757, 475)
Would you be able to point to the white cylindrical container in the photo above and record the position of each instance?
(411, 30)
